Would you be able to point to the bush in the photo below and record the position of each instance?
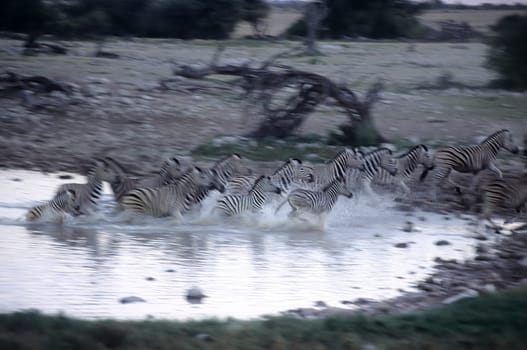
(369, 18)
(508, 52)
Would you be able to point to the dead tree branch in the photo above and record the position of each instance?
(286, 95)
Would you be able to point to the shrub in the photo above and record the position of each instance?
(508, 52)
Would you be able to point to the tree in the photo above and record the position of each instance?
(255, 12)
(314, 13)
(369, 18)
(508, 51)
(26, 16)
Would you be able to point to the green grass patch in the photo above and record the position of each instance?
(494, 321)
(310, 148)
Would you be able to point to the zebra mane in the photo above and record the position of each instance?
(494, 135)
(331, 183)
(339, 154)
(258, 180)
(226, 159)
(412, 150)
(115, 164)
(285, 164)
(379, 150)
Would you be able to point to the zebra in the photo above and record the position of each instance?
(336, 167)
(171, 168)
(88, 194)
(121, 183)
(173, 199)
(291, 172)
(469, 158)
(57, 209)
(227, 168)
(253, 201)
(507, 192)
(372, 164)
(316, 202)
(406, 164)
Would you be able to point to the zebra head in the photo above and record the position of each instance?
(214, 182)
(264, 184)
(502, 138)
(105, 170)
(509, 143)
(68, 199)
(385, 159)
(424, 156)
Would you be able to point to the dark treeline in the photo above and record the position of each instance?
(152, 18)
(367, 18)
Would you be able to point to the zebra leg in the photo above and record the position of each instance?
(494, 169)
(367, 187)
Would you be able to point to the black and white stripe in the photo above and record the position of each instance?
(372, 163)
(336, 167)
(406, 165)
(507, 192)
(56, 209)
(252, 201)
(291, 173)
(173, 199)
(89, 194)
(470, 158)
(316, 202)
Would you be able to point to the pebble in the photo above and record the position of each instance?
(150, 279)
(132, 299)
(442, 242)
(468, 293)
(195, 294)
(401, 245)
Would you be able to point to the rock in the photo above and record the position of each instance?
(170, 270)
(195, 294)
(408, 226)
(401, 245)
(203, 337)
(523, 261)
(362, 301)
(150, 279)
(16, 179)
(442, 242)
(320, 303)
(468, 293)
(132, 299)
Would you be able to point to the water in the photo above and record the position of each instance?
(247, 269)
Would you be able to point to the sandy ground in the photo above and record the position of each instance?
(118, 109)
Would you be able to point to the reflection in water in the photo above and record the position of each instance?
(84, 268)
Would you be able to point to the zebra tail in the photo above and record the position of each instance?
(425, 173)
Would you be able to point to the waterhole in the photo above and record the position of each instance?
(247, 268)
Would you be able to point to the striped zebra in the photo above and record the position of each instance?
(253, 201)
(88, 194)
(171, 168)
(336, 167)
(229, 167)
(55, 210)
(173, 199)
(292, 172)
(316, 202)
(372, 164)
(507, 192)
(122, 183)
(469, 158)
(406, 165)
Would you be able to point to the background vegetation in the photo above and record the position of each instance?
(508, 51)
(495, 321)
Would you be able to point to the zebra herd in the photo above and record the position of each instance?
(180, 187)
